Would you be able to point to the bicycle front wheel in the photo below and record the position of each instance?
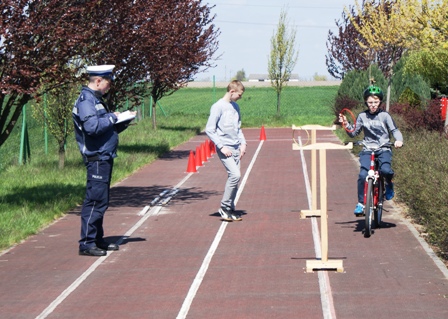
(379, 207)
(369, 209)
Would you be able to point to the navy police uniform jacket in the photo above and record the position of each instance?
(95, 129)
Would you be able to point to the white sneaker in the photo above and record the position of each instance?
(225, 214)
(235, 217)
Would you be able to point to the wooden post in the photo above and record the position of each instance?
(323, 263)
(313, 175)
(313, 128)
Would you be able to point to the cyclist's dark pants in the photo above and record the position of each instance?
(385, 161)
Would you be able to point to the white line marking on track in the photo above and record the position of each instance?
(47, 311)
(152, 212)
(326, 296)
(208, 258)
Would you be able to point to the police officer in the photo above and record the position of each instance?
(96, 131)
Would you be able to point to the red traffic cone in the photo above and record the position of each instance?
(207, 149)
(191, 167)
(212, 148)
(203, 156)
(262, 134)
(198, 157)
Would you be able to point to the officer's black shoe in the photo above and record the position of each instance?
(94, 251)
(106, 246)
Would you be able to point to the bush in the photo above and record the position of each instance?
(355, 82)
(342, 102)
(410, 97)
(412, 83)
(421, 168)
(417, 118)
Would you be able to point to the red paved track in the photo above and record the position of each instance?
(257, 270)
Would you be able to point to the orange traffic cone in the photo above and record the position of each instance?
(198, 157)
(262, 134)
(207, 149)
(203, 156)
(191, 167)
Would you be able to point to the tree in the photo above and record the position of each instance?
(160, 43)
(345, 52)
(283, 56)
(241, 75)
(38, 40)
(380, 26)
(163, 44)
(426, 36)
(54, 111)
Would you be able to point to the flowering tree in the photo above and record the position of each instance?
(157, 45)
(46, 44)
(38, 40)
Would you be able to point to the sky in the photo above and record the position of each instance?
(247, 27)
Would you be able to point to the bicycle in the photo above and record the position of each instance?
(374, 191)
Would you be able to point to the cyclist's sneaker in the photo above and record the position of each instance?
(226, 214)
(359, 209)
(390, 191)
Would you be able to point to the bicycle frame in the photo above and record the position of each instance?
(374, 175)
(373, 191)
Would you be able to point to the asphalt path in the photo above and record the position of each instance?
(178, 259)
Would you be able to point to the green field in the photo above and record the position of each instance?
(299, 105)
(36, 193)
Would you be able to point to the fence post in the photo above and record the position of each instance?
(45, 124)
(214, 90)
(24, 141)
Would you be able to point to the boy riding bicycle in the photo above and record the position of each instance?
(377, 125)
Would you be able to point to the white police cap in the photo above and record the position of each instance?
(101, 70)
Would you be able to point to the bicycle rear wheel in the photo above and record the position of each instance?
(369, 209)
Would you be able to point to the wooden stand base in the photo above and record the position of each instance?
(310, 213)
(324, 265)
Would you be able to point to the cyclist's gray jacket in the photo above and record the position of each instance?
(224, 125)
(376, 127)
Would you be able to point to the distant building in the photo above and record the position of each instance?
(265, 77)
(258, 77)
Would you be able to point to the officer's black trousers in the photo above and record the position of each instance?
(95, 203)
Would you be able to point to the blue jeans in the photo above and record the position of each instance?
(232, 166)
(385, 165)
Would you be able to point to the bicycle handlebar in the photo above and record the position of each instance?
(376, 148)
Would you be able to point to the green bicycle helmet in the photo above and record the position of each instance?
(373, 90)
